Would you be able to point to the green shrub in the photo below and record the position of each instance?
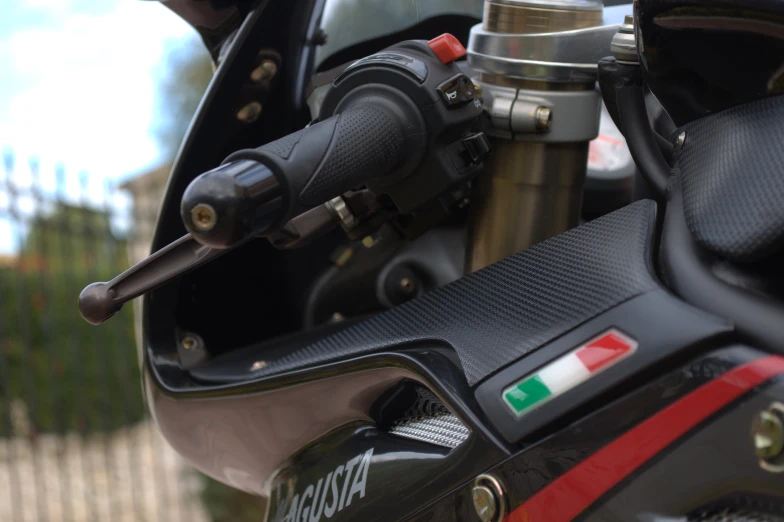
(65, 374)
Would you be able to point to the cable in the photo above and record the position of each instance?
(622, 90)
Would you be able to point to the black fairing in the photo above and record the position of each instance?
(703, 56)
(497, 315)
(214, 20)
(712, 465)
(275, 417)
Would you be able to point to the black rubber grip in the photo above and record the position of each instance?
(328, 158)
(257, 189)
(367, 143)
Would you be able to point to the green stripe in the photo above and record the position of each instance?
(527, 393)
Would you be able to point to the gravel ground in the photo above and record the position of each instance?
(130, 475)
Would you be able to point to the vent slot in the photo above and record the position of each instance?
(741, 507)
(733, 515)
(427, 419)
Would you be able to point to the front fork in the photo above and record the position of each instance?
(536, 63)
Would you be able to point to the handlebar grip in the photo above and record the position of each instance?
(367, 143)
(257, 189)
(328, 158)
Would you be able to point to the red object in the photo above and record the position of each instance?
(566, 497)
(447, 48)
(601, 351)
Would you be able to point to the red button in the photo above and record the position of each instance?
(447, 48)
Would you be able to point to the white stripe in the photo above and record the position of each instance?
(564, 374)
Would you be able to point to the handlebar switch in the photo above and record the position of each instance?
(457, 91)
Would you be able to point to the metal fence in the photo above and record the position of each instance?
(76, 443)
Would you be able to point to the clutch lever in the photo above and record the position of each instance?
(100, 301)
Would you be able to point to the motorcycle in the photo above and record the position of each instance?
(387, 304)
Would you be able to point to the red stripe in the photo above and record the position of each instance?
(571, 493)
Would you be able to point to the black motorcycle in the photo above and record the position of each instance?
(432, 326)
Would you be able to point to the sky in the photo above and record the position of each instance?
(77, 86)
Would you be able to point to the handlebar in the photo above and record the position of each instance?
(258, 189)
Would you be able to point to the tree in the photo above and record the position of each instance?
(182, 78)
(69, 375)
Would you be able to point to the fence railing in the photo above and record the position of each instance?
(76, 443)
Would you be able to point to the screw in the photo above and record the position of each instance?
(767, 431)
(681, 140)
(408, 285)
(485, 503)
(264, 72)
(544, 119)
(488, 497)
(189, 343)
(478, 90)
(203, 217)
(249, 113)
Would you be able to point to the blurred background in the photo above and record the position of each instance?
(95, 97)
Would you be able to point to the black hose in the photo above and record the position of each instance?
(687, 270)
(622, 90)
(665, 147)
(640, 138)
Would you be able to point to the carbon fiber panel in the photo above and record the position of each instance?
(444, 429)
(495, 316)
(732, 167)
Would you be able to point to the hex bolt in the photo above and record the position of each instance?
(203, 217)
(624, 44)
(478, 89)
(264, 72)
(488, 497)
(767, 431)
(681, 140)
(544, 119)
(250, 112)
(485, 503)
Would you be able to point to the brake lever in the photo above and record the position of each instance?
(392, 115)
(100, 301)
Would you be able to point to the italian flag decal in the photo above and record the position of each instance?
(568, 371)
